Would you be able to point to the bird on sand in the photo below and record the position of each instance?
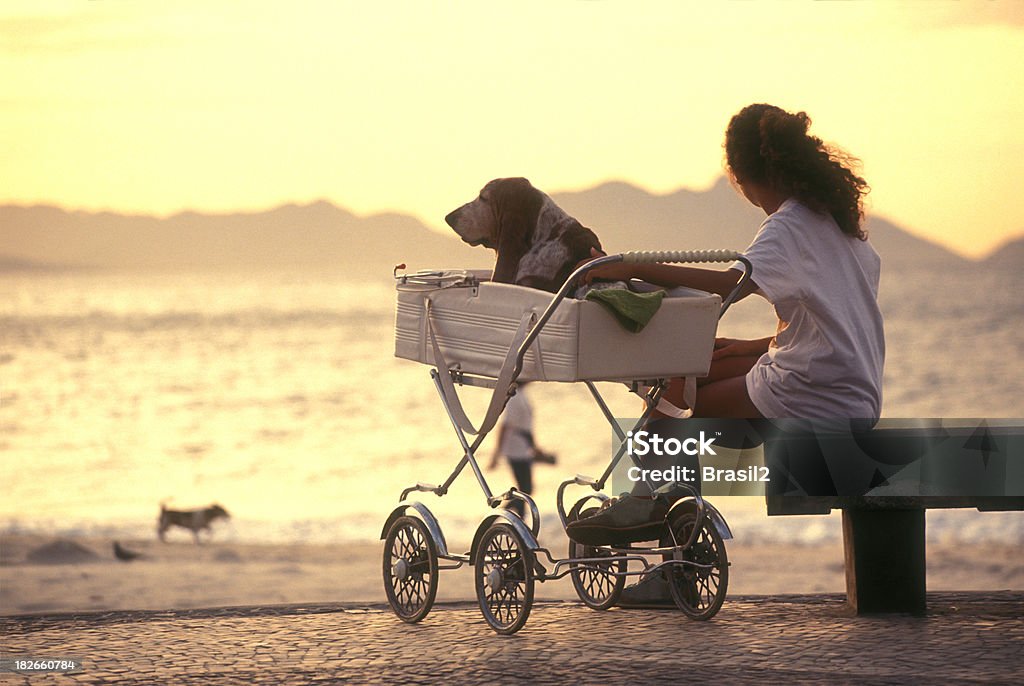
(124, 554)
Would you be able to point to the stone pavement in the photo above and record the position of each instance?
(967, 638)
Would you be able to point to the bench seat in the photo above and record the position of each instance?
(884, 534)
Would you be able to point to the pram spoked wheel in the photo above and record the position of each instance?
(597, 589)
(699, 591)
(504, 578)
(410, 569)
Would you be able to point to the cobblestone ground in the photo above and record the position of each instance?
(966, 638)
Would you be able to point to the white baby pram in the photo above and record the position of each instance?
(477, 333)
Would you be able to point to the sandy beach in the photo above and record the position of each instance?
(41, 575)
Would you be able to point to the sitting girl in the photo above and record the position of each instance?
(812, 261)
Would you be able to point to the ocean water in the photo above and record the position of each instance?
(277, 396)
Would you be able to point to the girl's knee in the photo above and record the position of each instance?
(728, 367)
(726, 398)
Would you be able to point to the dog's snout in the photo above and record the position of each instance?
(453, 218)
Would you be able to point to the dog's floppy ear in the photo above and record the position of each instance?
(578, 241)
(517, 205)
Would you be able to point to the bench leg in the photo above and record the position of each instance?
(885, 564)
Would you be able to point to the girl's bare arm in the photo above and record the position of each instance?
(670, 276)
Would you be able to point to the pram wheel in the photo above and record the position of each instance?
(699, 591)
(410, 569)
(504, 579)
(597, 589)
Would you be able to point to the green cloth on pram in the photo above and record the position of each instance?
(632, 310)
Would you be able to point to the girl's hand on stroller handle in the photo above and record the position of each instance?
(621, 267)
(611, 270)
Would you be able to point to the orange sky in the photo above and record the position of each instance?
(159, 107)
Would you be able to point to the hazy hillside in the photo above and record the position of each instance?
(628, 218)
(319, 235)
(323, 236)
(1009, 254)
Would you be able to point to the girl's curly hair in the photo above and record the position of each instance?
(767, 145)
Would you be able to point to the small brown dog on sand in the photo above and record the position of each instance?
(193, 520)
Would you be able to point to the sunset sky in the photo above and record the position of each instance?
(410, 106)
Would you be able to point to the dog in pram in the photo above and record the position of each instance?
(495, 330)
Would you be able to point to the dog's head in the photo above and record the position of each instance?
(536, 241)
(502, 204)
(215, 511)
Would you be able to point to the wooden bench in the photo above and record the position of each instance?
(883, 481)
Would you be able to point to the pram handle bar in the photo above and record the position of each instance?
(648, 256)
(644, 256)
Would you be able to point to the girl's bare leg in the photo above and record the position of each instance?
(728, 367)
(727, 398)
(723, 398)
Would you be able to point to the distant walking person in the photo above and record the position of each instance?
(515, 441)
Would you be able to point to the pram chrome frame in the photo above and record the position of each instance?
(704, 516)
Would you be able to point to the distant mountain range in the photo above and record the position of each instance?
(631, 218)
(323, 236)
(315, 236)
